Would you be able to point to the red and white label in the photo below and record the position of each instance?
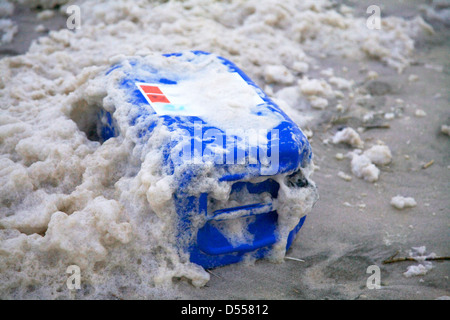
(152, 93)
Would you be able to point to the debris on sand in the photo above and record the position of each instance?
(341, 83)
(363, 164)
(339, 156)
(418, 254)
(379, 154)
(420, 113)
(363, 168)
(348, 136)
(419, 270)
(413, 78)
(400, 202)
(428, 164)
(344, 176)
(445, 129)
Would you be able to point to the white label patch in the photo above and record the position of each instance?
(213, 93)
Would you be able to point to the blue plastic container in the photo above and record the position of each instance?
(207, 245)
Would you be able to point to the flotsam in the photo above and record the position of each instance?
(418, 254)
(363, 163)
(418, 270)
(362, 167)
(420, 113)
(379, 154)
(400, 202)
(339, 156)
(344, 176)
(348, 136)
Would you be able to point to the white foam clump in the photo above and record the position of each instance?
(364, 164)
(68, 200)
(418, 270)
(362, 167)
(445, 129)
(348, 136)
(318, 102)
(278, 74)
(420, 113)
(76, 233)
(400, 202)
(418, 254)
(317, 91)
(379, 154)
(341, 83)
(315, 87)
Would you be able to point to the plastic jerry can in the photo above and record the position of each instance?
(224, 127)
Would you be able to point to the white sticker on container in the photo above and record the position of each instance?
(201, 96)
